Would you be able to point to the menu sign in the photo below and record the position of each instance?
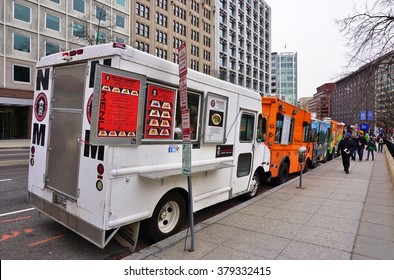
(115, 109)
(215, 118)
(118, 108)
(159, 112)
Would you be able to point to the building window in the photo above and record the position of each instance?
(101, 14)
(79, 6)
(55, 1)
(51, 48)
(119, 21)
(161, 19)
(161, 53)
(120, 2)
(142, 29)
(142, 10)
(21, 74)
(78, 30)
(101, 37)
(119, 40)
(21, 43)
(162, 4)
(21, 12)
(52, 22)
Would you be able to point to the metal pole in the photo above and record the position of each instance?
(300, 185)
(191, 214)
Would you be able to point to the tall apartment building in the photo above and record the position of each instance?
(243, 43)
(284, 76)
(229, 39)
(159, 27)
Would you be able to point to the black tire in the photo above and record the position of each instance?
(306, 166)
(167, 217)
(254, 186)
(283, 173)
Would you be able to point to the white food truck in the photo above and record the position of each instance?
(106, 142)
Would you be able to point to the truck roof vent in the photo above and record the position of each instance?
(119, 45)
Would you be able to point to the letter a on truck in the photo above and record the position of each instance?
(106, 143)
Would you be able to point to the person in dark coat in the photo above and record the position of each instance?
(353, 138)
(346, 146)
(361, 143)
(381, 143)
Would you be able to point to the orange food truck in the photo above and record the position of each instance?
(287, 129)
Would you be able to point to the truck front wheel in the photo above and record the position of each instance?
(167, 217)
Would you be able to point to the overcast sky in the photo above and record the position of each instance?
(308, 27)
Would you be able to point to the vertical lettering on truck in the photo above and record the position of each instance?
(42, 81)
(91, 150)
(40, 107)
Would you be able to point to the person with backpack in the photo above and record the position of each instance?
(371, 147)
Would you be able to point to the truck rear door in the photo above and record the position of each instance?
(65, 128)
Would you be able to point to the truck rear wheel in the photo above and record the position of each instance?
(167, 217)
(254, 186)
(283, 173)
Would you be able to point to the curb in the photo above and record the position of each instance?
(390, 164)
(14, 162)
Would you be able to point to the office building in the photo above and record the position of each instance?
(284, 76)
(243, 43)
(321, 101)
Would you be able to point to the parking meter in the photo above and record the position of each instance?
(301, 160)
(301, 154)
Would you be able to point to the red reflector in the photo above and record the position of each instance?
(80, 51)
(33, 150)
(73, 53)
(119, 45)
(65, 54)
(100, 169)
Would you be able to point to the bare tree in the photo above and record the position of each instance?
(94, 28)
(370, 35)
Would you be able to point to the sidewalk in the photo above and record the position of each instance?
(334, 216)
(15, 144)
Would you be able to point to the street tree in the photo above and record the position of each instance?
(94, 28)
(370, 34)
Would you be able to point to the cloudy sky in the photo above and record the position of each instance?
(308, 27)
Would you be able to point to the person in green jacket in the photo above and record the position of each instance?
(371, 147)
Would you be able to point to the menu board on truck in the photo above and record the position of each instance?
(159, 112)
(116, 106)
(215, 119)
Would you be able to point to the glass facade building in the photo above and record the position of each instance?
(284, 76)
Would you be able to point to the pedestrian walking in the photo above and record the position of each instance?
(353, 138)
(346, 146)
(371, 147)
(380, 144)
(361, 143)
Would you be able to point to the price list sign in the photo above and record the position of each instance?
(118, 108)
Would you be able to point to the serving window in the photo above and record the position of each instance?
(194, 105)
